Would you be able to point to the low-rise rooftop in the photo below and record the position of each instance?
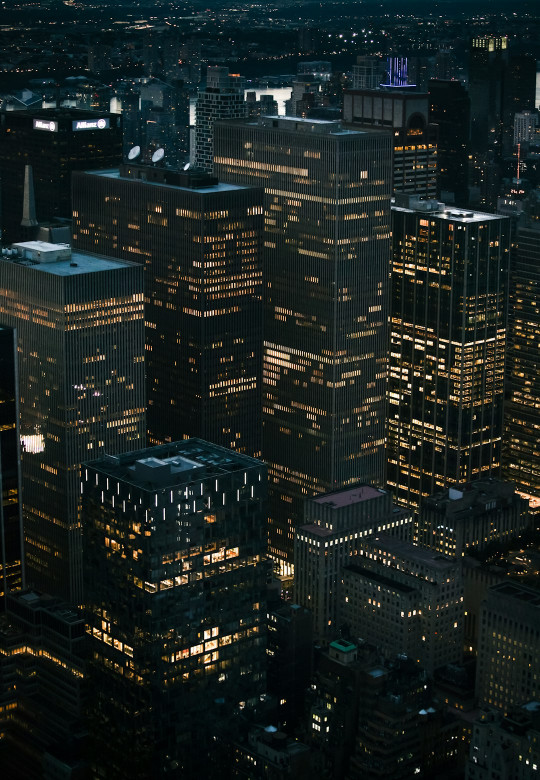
(355, 495)
(409, 551)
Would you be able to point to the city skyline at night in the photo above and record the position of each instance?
(269, 401)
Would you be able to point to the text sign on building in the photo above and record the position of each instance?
(45, 124)
(90, 124)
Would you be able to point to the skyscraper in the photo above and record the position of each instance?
(449, 109)
(519, 83)
(327, 262)
(54, 142)
(43, 650)
(221, 98)
(522, 441)
(488, 56)
(80, 337)
(200, 242)
(175, 541)
(11, 532)
(447, 347)
(403, 112)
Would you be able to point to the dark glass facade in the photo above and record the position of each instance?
(522, 425)
(200, 245)
(175, 542)
(447, 347)
(80, 337)
(54, 142)
(519, 86)
(43, 648)
(488, 56)
(449, 109)
(11, 539)
(326, 260)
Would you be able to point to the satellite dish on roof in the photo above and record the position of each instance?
(134, 153)
(158, 155)
(186, 166)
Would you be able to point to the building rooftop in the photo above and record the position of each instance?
(515, 590)
(343, 645)
(318, 530)
(401, 549)
(297, 124)
(381, 579)
(474, 497)
(59, 260)
(355, 495)
(168, 465)
(385, 90)
(114, 173)
(437, 210)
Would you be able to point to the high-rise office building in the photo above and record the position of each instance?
(519, 85)
(80, 337)
(43, 649)
(200, 243)
(221, 98)
(404, 113)
(405, 599)
(175, 542)
(449, 109)
(326, 260)
(55, 142)
(509, 646)
(447, 347)
(11, 529)
(335, 524)
(466, 519)
(488, 56)
(522, 441)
